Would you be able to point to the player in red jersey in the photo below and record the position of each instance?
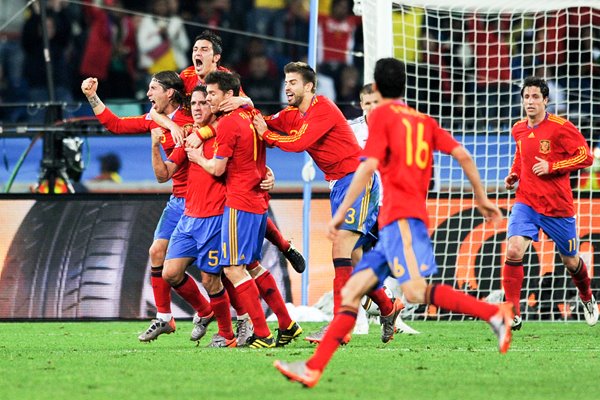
(197, 234)
(242, 155)
(206, 55)
(315, 124)
(401, 144)
(548, 149)
(164, 92)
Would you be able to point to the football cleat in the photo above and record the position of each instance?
(590, 311)
(316, 337)
(285, 336)
(296, 259)
(219, 341)
(157, 328)
(244, 330)
(257, 342)
(517, 323)
(501, 325)
(200, 326)
(388, 323)
(299, 372)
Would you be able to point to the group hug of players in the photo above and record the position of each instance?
(217, 215)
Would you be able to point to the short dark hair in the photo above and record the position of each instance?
(367, 89)
(199, 88)
(308, 74)
(217, 42)
(171, 80)
(390, 77)
(537, 82)
(225, 80)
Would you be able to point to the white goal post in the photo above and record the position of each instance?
(466, 60)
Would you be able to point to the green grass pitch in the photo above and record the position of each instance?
(448, 360)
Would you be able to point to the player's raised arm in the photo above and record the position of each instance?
(89, 88)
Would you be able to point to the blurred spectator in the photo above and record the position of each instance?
(110, 165)
(557, 103)
(110, 53)
(259, 17)
(291, 23)
(162, 40)
(336, 38)
(348, 90)
(492, 68)
(256, 47)
(524, 59)
(261, 85)
(216, 14)
(34, 68)
(11, 58)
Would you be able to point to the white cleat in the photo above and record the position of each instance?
(590, 311)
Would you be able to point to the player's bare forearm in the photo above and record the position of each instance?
(89, 87)
(167, 123)
(161, 171)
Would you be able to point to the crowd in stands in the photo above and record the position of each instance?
(468, 69)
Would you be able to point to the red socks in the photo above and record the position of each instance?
(582, 281)
(237, 305)
(161, 290)
(446, 297)
(382, 300)
(341, 325)
(512, 281)
(248, 295)
(270, 293)
(343, 270)
(220, 305)
(273, 235)
(189, 291)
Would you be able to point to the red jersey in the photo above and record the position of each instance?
(246, 166)
(559, 142)
(322, 131)
(191, 80)
(205, 193)
(143, 124)
(403, 140)
(336, 39)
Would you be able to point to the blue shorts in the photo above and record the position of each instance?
(197, 238)
(242, 235)
(169, 218)
(362, 215)
(403, 251)
(525, 221)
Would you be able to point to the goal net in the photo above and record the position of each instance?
(465, 63)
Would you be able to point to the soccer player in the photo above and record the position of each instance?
(401, 144)
(315, 124)
(197, 234)
(241, 157)
(165, 95)
(206, 56)
(369, 98)
(548, 149)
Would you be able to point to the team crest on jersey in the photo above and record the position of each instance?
(544, 146)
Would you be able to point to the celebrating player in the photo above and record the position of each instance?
(164, 92)
(548, 149)
(315, 124)
(401, 144)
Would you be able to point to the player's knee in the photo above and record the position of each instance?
(157, 253)
(212, 283)
(350, 296)
(414, 294)
(172, 275)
